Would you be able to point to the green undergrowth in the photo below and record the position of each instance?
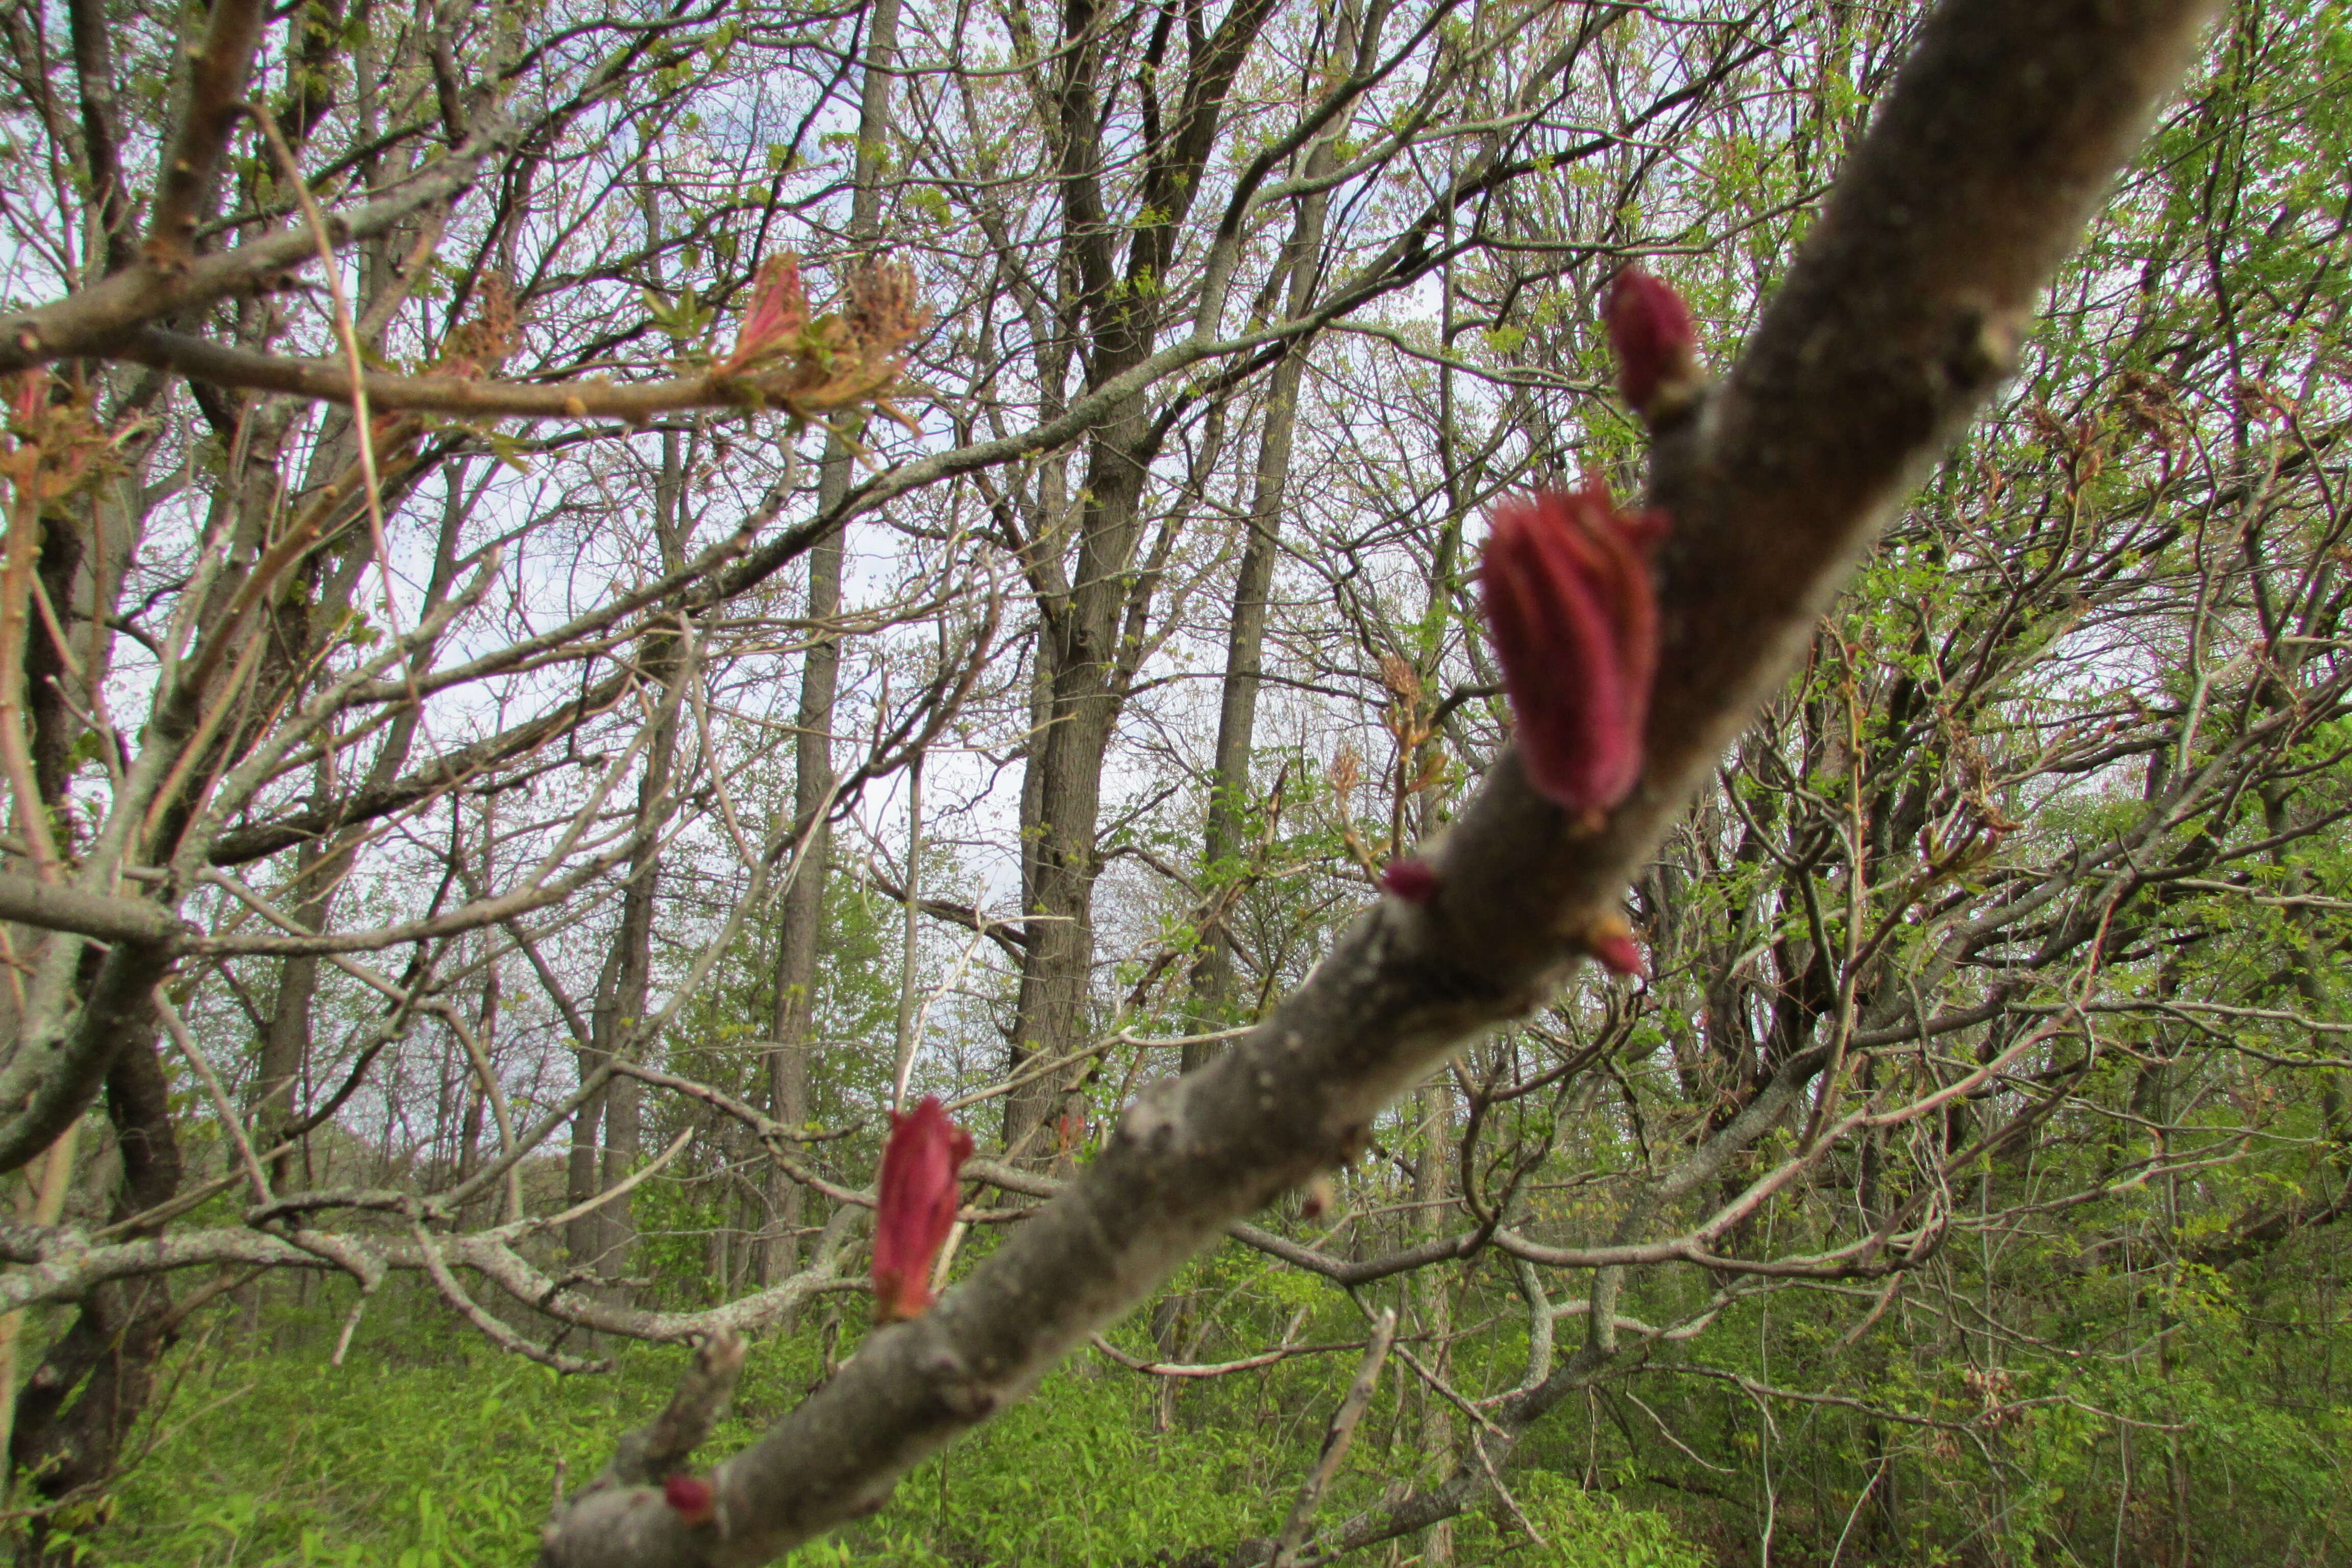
(428, 1449)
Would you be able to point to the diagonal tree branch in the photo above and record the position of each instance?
(218, 69)
(1903, 311)
(92, 321)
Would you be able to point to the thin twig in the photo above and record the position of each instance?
(177, 1026)
(362, 425)
(1336, 1439)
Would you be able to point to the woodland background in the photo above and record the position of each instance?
(591, 837)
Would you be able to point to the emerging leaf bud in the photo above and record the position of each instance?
(774, 315)
(1575, 623)
(1611, 940)
(1412, 879)
(914, 1209)
(695, 1499)
(1650, 329)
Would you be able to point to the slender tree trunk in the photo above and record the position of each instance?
(1094, 632)
(320, 867)
(286, 1042)
(583, 1236)
(606, 1236)
(1086, 695)
(791, 1023)
(1436, 1304)
(1051, 1011)
(615, 1026)
(1228, 829)
(469, 1128)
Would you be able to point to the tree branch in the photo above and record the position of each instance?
(92, 321)
(1901, 313)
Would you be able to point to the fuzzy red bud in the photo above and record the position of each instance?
(1619, 954)
(1413, 880)
(695, 1499)
(774, 314)
(1575, 621)
(915, 1207)
(1649, 330)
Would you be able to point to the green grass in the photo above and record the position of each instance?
(427, 1450)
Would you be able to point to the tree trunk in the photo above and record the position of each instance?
(1229, 791)
(605, 1240)
(1094, 633)
(320, 866)
(791, 1023)
(122, 1329)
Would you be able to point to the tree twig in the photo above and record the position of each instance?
(1336, 1439)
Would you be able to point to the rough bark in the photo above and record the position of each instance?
(90, 1389)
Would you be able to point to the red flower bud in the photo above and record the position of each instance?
(915, 1207)
(1650, 329)
(695, 1499)
(1412, 879)
(1575, 621)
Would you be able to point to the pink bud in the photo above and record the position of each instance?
(915, 1207)
(775, 313)
(1412, 879)
(693, 1497)
(1619, 954)
(1650, 329)
(1575, 623)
